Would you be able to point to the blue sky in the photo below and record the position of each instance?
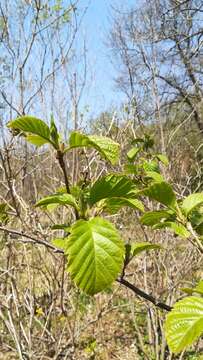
(96, 26)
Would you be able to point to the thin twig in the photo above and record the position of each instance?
(31, 239)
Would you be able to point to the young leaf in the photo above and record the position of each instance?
(51, 207)
(161, 192)
(153, 217)
(188, 291)
(62, 199)
(191, 202)
(114, 204)
(112, 186)
(137, 248)
(163, 159)
(132, 153)
(151, 166)
(155, 176)
(32, 126)
(178, 229)
(197, 289)
(36, 140)
(64, 227)
(54, 132)
(60, 243)
(199, 229)
(184, 324)
(95, 254)
(107, 148)
(131, 169)
(137, 141)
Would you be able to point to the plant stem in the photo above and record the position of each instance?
(144, 295)
(63, 167)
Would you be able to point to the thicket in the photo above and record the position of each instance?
(101, 217)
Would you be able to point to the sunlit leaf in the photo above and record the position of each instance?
(153, 217)
(95, 254)
(114, 204)
(60, 243)
(106, 147)
(155, 176)
(184, 324)
(161, 192)
(151, 166)
(197, 289)
(32, 126)
(137, 248)
(61, 199)
(163, 159)
(191, 202)
(36, 140)
(178, 229)
(109, 186)
(132, 153)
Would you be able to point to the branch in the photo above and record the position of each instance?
(31, 239)
(144, 295)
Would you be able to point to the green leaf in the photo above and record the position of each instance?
(153, 217)
(106, 147)
(188, 291)
(109, 186)
(54, 132)
(137, 141)
(114, 204)
(32, 126)
(163, 159)
(62, 199)
(36, 140)
(51, 207)
(191, 202)
(4, 216)
(148, 142)
(184, 324)
(196, 217)
(151, 165)
(132, 153)
(131, 169)
(64, 227)
(178, 229)
(95, 254)
(161, 192)
(199, 229)
(60, 243)
(137, 248)
(155, 176)
(197, 289)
